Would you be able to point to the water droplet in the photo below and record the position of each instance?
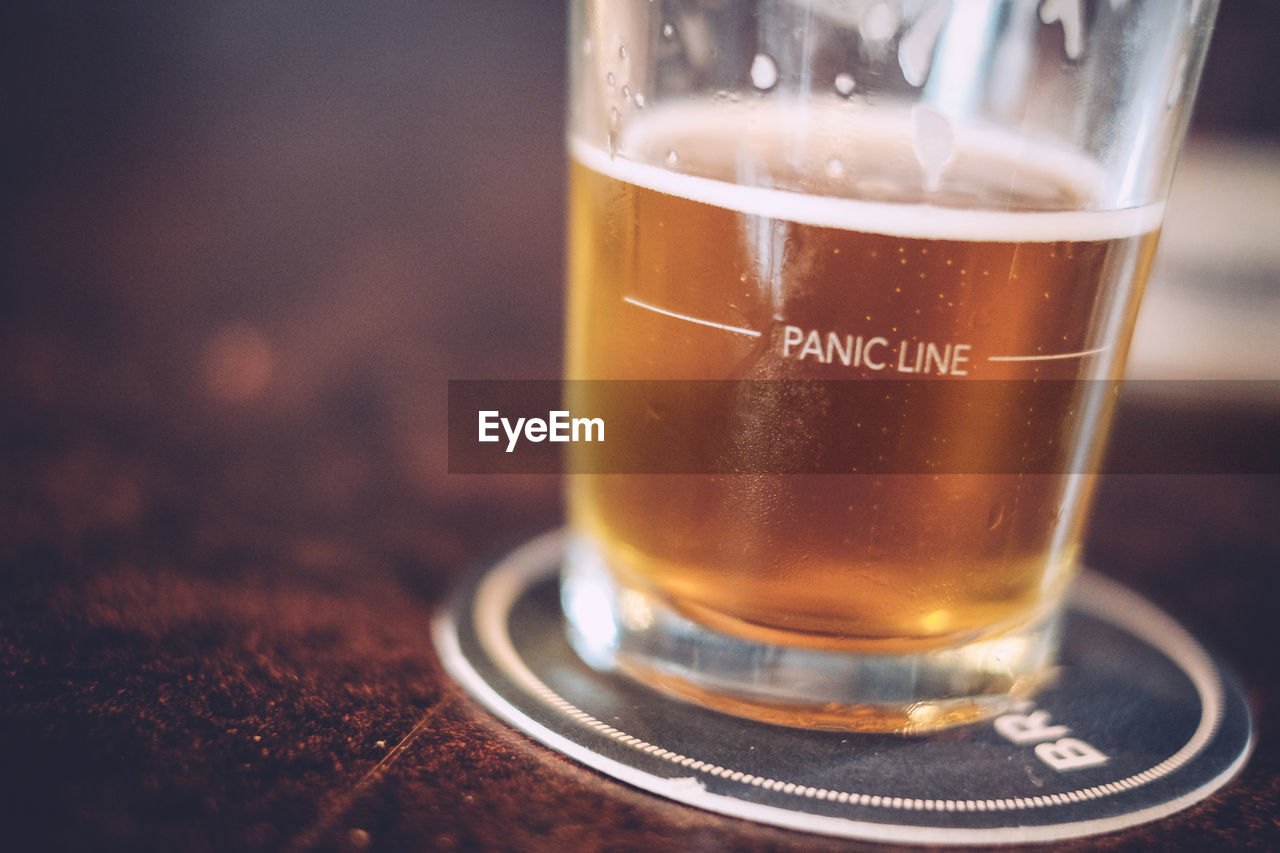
(764, 72)
(668, 31)
(586, 47)
(622, 52)
(610, 79)
(1071, 16)
(615, 118)
(835, 170)
(626, 91)
(934, 142)
(844, 83)
(639, 100)
(879, 23)
(672, 157)
(915, 51)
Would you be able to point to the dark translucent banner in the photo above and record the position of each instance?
(723, 427)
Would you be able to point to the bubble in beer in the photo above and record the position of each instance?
(764, 72)
(844, 83)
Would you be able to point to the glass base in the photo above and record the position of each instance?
(613, 627)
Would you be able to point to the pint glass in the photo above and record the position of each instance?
(910, 193)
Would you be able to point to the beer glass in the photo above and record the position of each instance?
(926, 192)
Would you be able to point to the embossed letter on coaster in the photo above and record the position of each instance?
(1141, 723)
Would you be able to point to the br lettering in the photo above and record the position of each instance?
(1053, 747)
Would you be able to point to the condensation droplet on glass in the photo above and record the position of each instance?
(835, 170)
(672, 157)
(668, 31)
(879, 23)
(638, 98)
(764, 72)
(586, 47)
(622, 51)
(915, 50)
(626, 91)
(615, 118)
(844, 83)
(609, 78)
(934, 142)
(1071, 16)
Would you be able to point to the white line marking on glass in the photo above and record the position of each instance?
(1053, 357)
(737, 330)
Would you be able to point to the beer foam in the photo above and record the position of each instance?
(910, 220)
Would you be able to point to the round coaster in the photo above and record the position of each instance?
(1140, 724)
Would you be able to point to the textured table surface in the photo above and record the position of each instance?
(243, 251)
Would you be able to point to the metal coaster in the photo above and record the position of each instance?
(1140, 724)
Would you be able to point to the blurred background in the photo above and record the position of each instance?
(243, 246)
(260, 237)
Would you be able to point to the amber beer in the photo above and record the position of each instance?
(838, 265)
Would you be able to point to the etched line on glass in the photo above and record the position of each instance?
(737, 330)
(1052, 357)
